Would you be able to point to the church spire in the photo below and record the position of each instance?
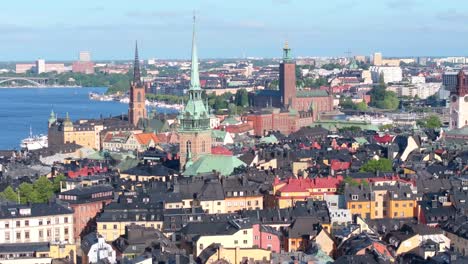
(136, 68)
(194, 75)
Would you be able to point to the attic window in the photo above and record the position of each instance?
(462, 201)
(354, 197)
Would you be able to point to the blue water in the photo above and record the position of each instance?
(21, 108)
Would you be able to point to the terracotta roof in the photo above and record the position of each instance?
(340, 165)
(219, 150)
(383, 139)
(145, 138)
(304, 185)
(241, 128)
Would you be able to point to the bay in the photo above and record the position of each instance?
(22, 108)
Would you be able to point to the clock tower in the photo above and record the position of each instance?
(459, 103)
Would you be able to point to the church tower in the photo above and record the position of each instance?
(459, 103)
(287, 78)
(194, 120)
(136, 107)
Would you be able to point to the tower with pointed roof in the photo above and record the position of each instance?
(136, 107)
(194, 120)
(287, 78)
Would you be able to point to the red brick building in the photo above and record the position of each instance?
(275, 119)
(86, 203)
(136, 109)
(86, 67)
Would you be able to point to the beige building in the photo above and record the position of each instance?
(40, 222)
(239, 255)
(377, 59)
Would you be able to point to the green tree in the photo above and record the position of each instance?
(347, 103)
(9, 194)
(361, 106)
(242, 98)
(27, 193)
(44, 189)
(432, 122)
(381, 164)
(56, 182)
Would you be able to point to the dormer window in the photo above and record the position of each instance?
(354, 197)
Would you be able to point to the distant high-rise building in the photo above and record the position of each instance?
(84, 64)
(360, 58)
(377, 59)
(40, 66)
(390, 74)
(85, 56)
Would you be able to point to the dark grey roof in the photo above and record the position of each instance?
(37, 209)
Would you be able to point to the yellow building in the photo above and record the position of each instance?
(110, 229)
(238, 255)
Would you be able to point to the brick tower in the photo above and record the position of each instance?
(194, 120)
(459, 103)
(287, 78)
(136, 107)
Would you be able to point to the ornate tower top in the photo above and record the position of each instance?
(194, 75)
(195, 115)
(136, 68)
(286, 53)
(462, 86)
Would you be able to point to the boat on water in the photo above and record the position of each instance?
(34, 142)
(100, 97)
(375, 120)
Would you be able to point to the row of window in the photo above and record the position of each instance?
(26, 234)
(48, 221)
(242, 203)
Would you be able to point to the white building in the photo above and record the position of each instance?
(420, 90)
(96, 249)
(40, 66)
(417, 79)
(41, 222)
(390, 74)
(459, 103)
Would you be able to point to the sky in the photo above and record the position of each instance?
(58, 29)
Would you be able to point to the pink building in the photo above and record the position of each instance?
(266, 237)
(86, 67)
(55, 67)
(24, 67)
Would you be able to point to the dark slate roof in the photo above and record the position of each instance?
(83, 191)
(216, 228)
(146, 170)
(37, 209)
(24, 247)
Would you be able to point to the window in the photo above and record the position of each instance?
(245, 232)
(65, 220)
(219, 203)
(26, 222)
(269, 237)
(353, 206)
(104, 226)
(359, 206)
(395, 214)
(41, 234)
(402, 214)
(396, 204)
(115, 226)
(256, 202)
(7, 225)
(18, 223)
(376, 204)
(249, 203)
(236, 242)
(354, 197)
(256, 237)
(40, 221)
(18, 235)
(26, 234)
(57, 220)
(188, 146)
(48, 221)
(403, 204)
(410, 204)
(7, 236)
(49, 233)
(245, 241)
(201, 247)
(66, 231)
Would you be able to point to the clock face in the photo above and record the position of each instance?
(454, 99)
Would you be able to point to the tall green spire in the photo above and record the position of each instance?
(286, 53)
(194, 75)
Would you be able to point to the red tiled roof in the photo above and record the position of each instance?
(337, 165)
(303, 185)
(219, 150)
(145, 138)
(241, 128)
(384, 139)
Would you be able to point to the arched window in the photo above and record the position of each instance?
(139, 97)
(188, 146)
(203, 146)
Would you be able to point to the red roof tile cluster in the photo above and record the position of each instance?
(146, 138)
(383, 139)
(337, 165)
(307, 184)
(219, 150)
(238, 129)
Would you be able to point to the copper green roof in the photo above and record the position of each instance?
(230, 120)
(216, 133)
(312, 93)
(337, 124)
(223, 164)
(271, 139)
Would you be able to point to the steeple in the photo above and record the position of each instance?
(286, 53)
(136, 68)
(194, 75)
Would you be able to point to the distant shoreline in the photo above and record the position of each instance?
(44, 87)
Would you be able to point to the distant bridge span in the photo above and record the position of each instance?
(35, 81)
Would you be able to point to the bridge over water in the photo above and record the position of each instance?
(19, 81)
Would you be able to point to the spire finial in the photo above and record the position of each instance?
(136, 68)
(194, 75)
(286, 45)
